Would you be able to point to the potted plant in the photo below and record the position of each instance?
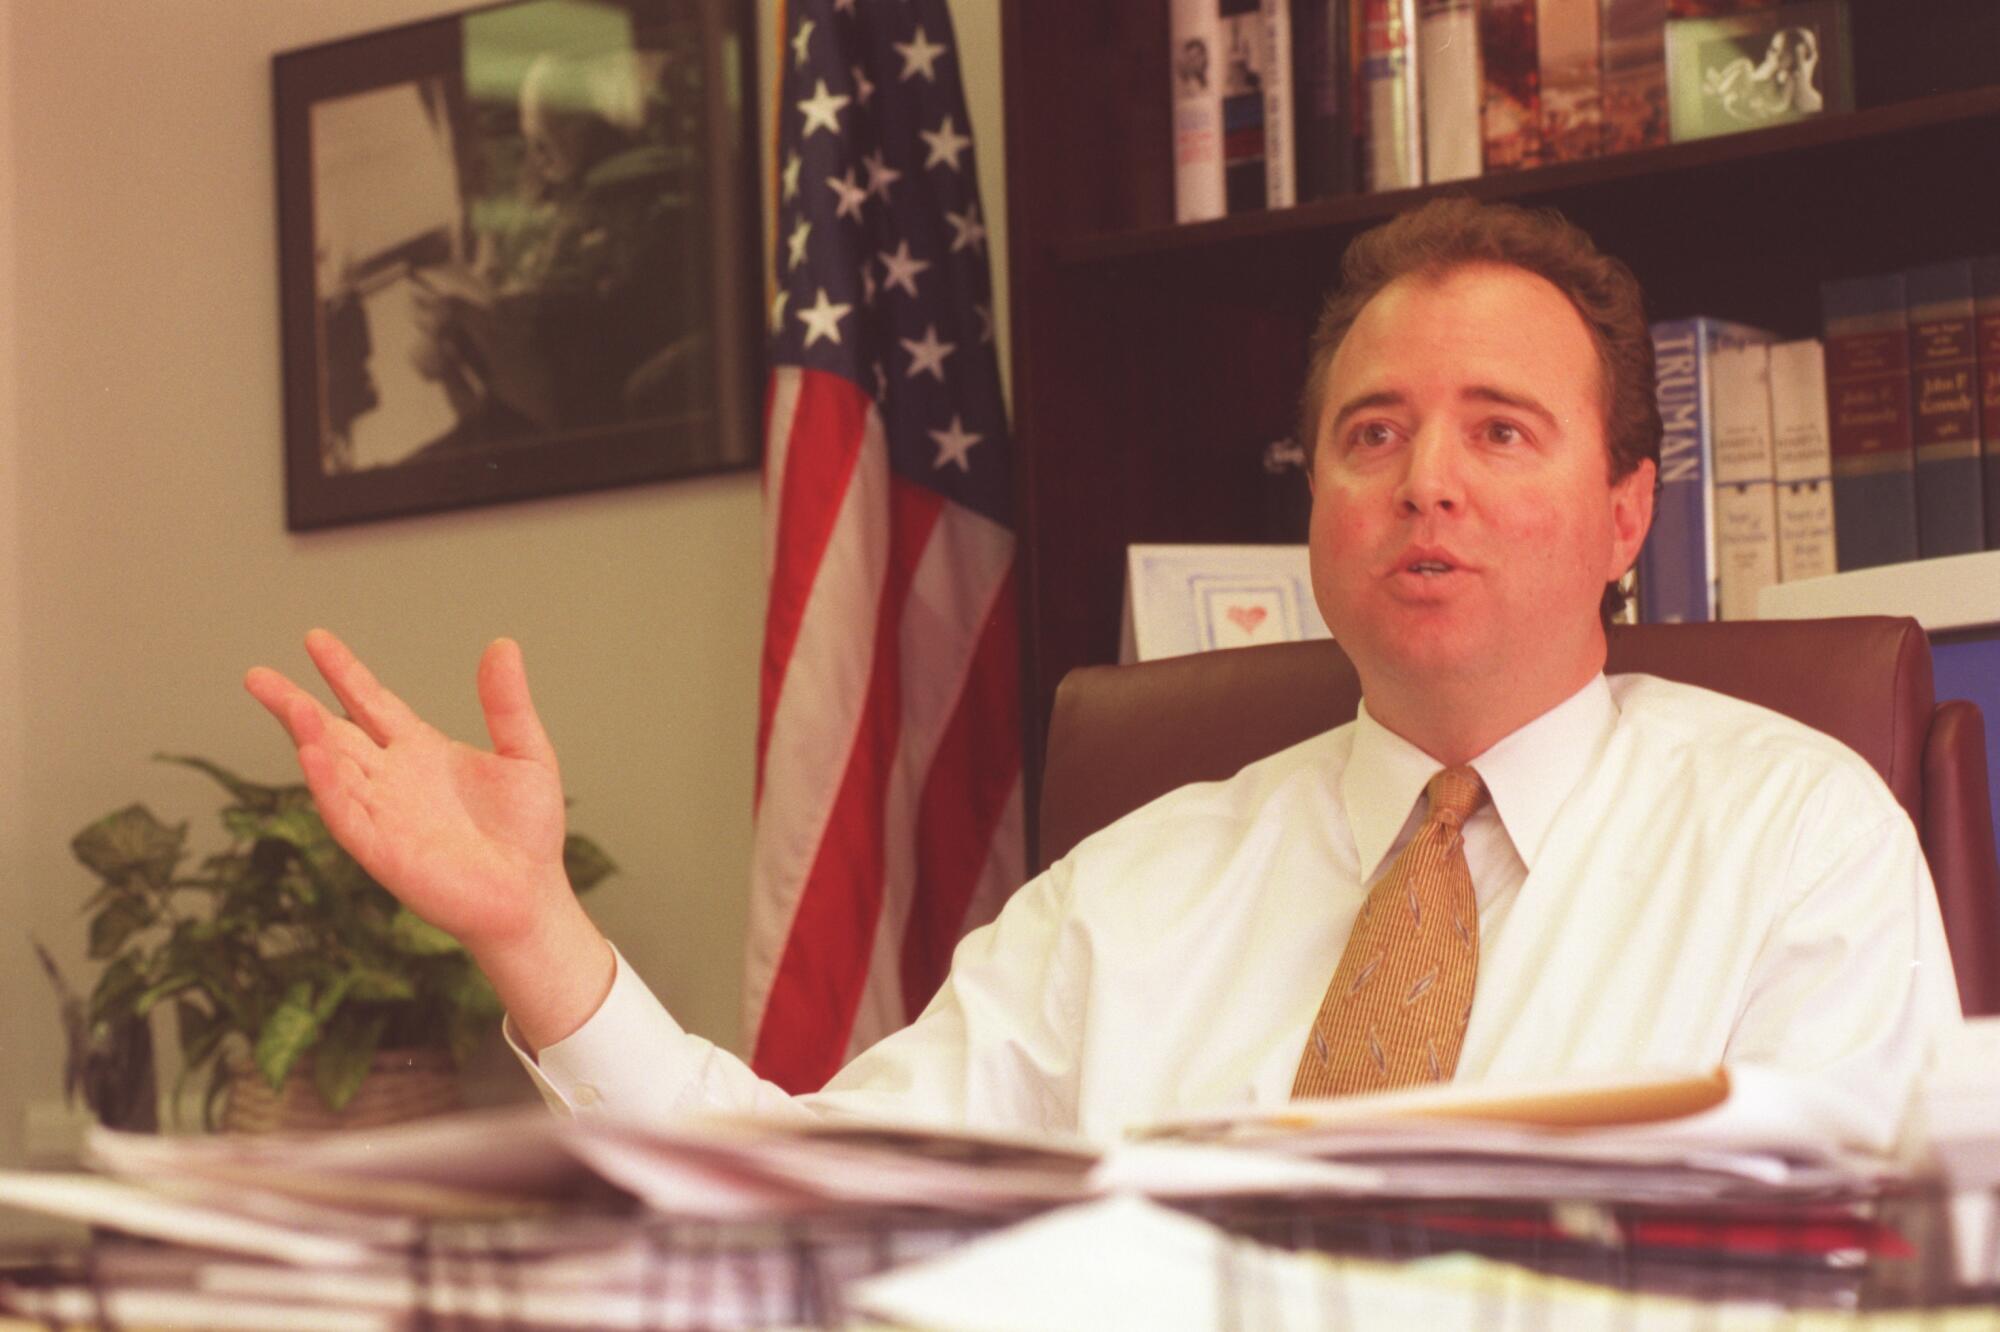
(285, 963)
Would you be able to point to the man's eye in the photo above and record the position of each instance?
(1503, 432)
(1373, 435)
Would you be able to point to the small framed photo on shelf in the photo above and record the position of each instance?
(1183, 599)
(516, 256)
(1733, 65)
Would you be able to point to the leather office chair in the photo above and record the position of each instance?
(1120, 735)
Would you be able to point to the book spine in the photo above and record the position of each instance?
(1986, 311)
(1280, 179)
(1566, 33)
(1867, 336)
(1448, 61)
(1322, 124)
(1944, 409)
(1197, 73)
(1634, 68)
(1386, 77)
(1803, 467)
(1510, 67)
(1677, 565)
(1746, 515)
(1245, 49)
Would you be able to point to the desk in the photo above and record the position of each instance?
(1830, 1264)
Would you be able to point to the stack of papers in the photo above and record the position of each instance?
(518, 1219)
(1958, 1130)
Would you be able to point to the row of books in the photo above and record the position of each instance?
(1876, 443)
(1282, 101)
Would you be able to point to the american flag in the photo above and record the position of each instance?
(888, 743)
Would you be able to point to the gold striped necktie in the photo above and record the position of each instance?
(1396, 1010)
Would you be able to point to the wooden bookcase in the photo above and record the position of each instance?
(1152, 363)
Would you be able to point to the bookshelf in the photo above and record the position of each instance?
(1152, 363)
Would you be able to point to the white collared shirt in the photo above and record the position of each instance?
(1668, 879)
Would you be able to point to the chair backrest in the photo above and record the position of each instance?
(1121, 735)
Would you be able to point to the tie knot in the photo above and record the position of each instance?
(1454, 794)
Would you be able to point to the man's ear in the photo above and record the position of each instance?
(1631, 516)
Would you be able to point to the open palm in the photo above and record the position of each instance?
(470, 841)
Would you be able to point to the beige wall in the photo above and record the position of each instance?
(143, 558)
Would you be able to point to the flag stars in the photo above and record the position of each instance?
(822, 110)
(867, 283)
(793, 164)
(901, 268)
(822, 319)
(927, 354)
(954, 445)
(985, 323)
(880, 175)
(919, 56)
(946, 144)
(795, 244)
(800, 41)
(863, 89)
(967, 233)
(778, 311)
(852, 196)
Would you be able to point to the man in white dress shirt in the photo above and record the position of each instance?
(1665, 878)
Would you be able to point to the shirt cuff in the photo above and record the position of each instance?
(629, 1058)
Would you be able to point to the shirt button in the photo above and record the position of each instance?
(586, 1095)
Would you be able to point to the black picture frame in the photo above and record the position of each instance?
(517, 250)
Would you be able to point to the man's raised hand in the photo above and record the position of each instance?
(469, 840)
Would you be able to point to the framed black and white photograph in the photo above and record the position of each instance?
(517, 256)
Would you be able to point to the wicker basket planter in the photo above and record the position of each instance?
(401, 1085)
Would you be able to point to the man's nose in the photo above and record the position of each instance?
(1432, 478)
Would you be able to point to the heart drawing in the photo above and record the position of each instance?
(1247, 618)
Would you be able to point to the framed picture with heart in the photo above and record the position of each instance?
(1182, 599)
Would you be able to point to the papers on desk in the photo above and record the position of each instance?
(1958, 1126)
(520, 1219)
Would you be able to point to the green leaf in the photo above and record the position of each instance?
(420, 938)
(162, 989)
(287, 1034)
(130, 843)
(201, 1031)
(342, 1058)
(585, 862)
(115, 989)
(248, 794)
(331, 998)
(376, 985)
(117, 922)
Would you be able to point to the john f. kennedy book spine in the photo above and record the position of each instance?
(1986, 307)
(1746, 505)
(1677, 565)
(1867, 334)
(1944, 409)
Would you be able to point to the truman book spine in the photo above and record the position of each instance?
(1677, 565)
(1986, 311)
(1448, 56)
(1803, 464)
(1944, 409)
(1867, 336)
